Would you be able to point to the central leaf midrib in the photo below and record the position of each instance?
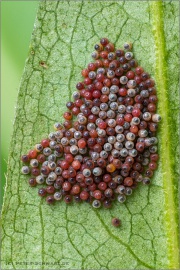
(165, 151)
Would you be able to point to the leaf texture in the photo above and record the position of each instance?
(38, 236)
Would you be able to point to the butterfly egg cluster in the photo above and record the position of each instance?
(107, 143)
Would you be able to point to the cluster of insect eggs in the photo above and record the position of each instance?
(110, 146)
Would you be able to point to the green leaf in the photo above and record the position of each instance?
(39, 236)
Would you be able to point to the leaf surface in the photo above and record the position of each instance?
(39, 236)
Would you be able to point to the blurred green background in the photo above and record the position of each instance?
(17, 21)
